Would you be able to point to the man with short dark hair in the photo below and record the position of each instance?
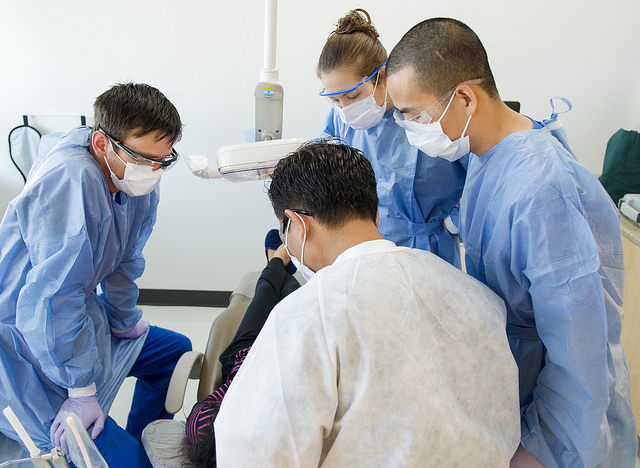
(71, 249)
(541, 232)
(387, 356)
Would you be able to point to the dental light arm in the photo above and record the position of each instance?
(269, 93)
(255, 161)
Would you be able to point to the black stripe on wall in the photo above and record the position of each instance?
(183, 297)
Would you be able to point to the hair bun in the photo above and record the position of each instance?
(357, 20)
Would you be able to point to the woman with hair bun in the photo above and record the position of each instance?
(417, 193)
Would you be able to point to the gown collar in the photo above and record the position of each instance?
(365, 248)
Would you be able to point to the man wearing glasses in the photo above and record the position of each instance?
(387, 356)
(540, 231)
(71, 249)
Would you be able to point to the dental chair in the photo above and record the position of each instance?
(163, 439)
(513, 105)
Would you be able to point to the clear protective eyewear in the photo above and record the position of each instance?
(430, 113)
(285, 222)
(156, 163)
(324, 93)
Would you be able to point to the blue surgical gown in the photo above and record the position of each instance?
(415, 192)
(70, 253)
(540, 230)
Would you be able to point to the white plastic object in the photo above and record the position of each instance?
(269, 71)
(22, 432)
(82, 449)
(254, 161)
(200, 166)
(188, 367)
(630, 206)
(269, 108)
(269, 93)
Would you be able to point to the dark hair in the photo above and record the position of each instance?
(328, 178)
(203, 454)
(354, 43)
(443, 53)
(136, 106)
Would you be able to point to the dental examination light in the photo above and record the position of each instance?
(256, 161)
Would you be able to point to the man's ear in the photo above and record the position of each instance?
(470, 98)
(296, 224)
(99, 143)
(377, 218)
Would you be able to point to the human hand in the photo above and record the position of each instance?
(88, 411)
(138, 330)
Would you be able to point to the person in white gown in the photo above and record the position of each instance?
(387, 356)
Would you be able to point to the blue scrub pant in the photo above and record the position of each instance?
(119, 448)
(153, 369)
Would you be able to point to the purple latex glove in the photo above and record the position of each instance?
(141, 327)
(88, 411)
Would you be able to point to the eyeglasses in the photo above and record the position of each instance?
(164, 162)
(430, 113)
(285, 222)
(324, 93)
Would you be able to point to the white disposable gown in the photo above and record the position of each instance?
(416, 192)
(70, 252)
(541, 231)
(389, 357)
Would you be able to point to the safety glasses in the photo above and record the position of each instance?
(164, 162)
(324, 93)
(285, 222)
(430, 113)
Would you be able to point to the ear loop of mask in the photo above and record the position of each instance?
(304, 240)
(107, 161)
(384, 104)
(117, 156)
(448, 104)
(447, 108)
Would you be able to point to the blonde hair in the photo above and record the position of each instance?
(355, 44)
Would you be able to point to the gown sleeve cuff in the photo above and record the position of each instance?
(82, 391)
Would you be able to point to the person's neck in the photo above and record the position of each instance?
(105, 170)
(492, 122)
(332, 242)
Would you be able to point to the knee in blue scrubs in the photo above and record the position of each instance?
(153, 370)
(119, 448)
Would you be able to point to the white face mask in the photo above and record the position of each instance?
(306, 272)
(137, 180)
(431, 140)
(363, 114)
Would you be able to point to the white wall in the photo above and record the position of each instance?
(205, 56)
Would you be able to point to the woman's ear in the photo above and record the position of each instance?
(382, 76)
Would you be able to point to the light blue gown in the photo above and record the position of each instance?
(416, 192)
(540, 230)
(70, 253)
